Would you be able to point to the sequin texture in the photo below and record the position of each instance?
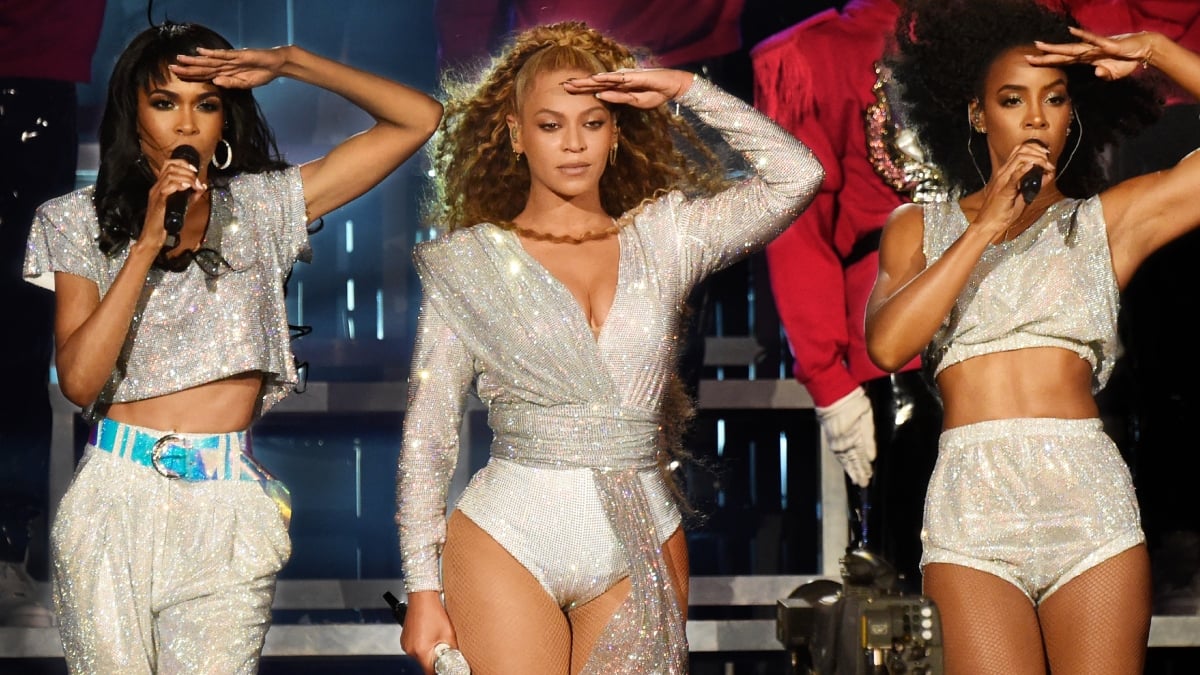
(153, 574)
(575, 415)
(1052, 285)
(1034, 501)
(190, 329)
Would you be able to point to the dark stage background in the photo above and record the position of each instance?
(756, 490)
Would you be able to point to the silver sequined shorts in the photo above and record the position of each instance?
(1034, 501)
(553, 522)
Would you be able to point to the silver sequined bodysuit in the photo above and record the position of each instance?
(572, 489)
(1051, 286)
(190, 329)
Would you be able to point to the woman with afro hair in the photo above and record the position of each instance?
(1032, 545)
(580, 210)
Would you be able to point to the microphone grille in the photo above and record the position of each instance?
(186, 152)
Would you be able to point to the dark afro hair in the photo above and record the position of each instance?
(943, 49)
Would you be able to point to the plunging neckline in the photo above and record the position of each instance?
(562, 288)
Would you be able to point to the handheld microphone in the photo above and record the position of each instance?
(177, 202)
(1031, 184)
(399, 609)
(446, 659)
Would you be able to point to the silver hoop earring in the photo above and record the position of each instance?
(228, 156)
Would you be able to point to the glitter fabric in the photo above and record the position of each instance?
(154, 574)
(190, 329)
(575, 415)
(190, 457)
(1034, 501)
(1051, 286)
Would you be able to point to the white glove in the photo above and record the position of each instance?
(849, 432)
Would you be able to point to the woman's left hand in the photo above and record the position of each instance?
(231, 68)
(638, 87)
(1113, 57)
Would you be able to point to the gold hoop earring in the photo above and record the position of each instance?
(228, 156)
(612, 155)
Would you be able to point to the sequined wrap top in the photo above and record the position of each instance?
(494, 319)
(189, 328)
(1053, 285)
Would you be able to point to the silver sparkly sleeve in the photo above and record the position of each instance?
(441, 375)
(720, 229)
(62, 238)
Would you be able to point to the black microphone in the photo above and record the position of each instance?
(399, 609)
(177, 202)
(1031, 184)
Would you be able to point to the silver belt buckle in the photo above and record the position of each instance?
(156, 454)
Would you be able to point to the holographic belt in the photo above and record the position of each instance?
(189, 457)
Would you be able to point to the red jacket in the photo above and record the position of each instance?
(49, 39)
(815, 79)
(675, 31)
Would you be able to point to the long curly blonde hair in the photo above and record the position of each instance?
(477, 178)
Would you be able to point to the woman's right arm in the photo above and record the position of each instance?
(90, 331)
(910, 300)
(441, 375)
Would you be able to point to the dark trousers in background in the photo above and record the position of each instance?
(908, 420)
(39, 147)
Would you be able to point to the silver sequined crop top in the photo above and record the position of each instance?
(190, 329)
(1051, 286)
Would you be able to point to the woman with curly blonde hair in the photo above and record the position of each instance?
(577, 227)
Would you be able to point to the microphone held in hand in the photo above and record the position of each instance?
(177, 202)
(446, 659)
(449, 661)
(1031, 184)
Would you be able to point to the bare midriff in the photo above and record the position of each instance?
(213, 407)
(1033, 382)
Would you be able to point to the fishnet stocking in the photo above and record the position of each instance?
(589, 619)
(988, 625)
(1098, 623)
(505, 621)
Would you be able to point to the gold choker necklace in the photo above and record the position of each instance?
(594, 235)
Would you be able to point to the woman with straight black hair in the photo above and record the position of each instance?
(166, 546)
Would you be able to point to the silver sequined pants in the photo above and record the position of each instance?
(155, 575)
(1034, 501)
